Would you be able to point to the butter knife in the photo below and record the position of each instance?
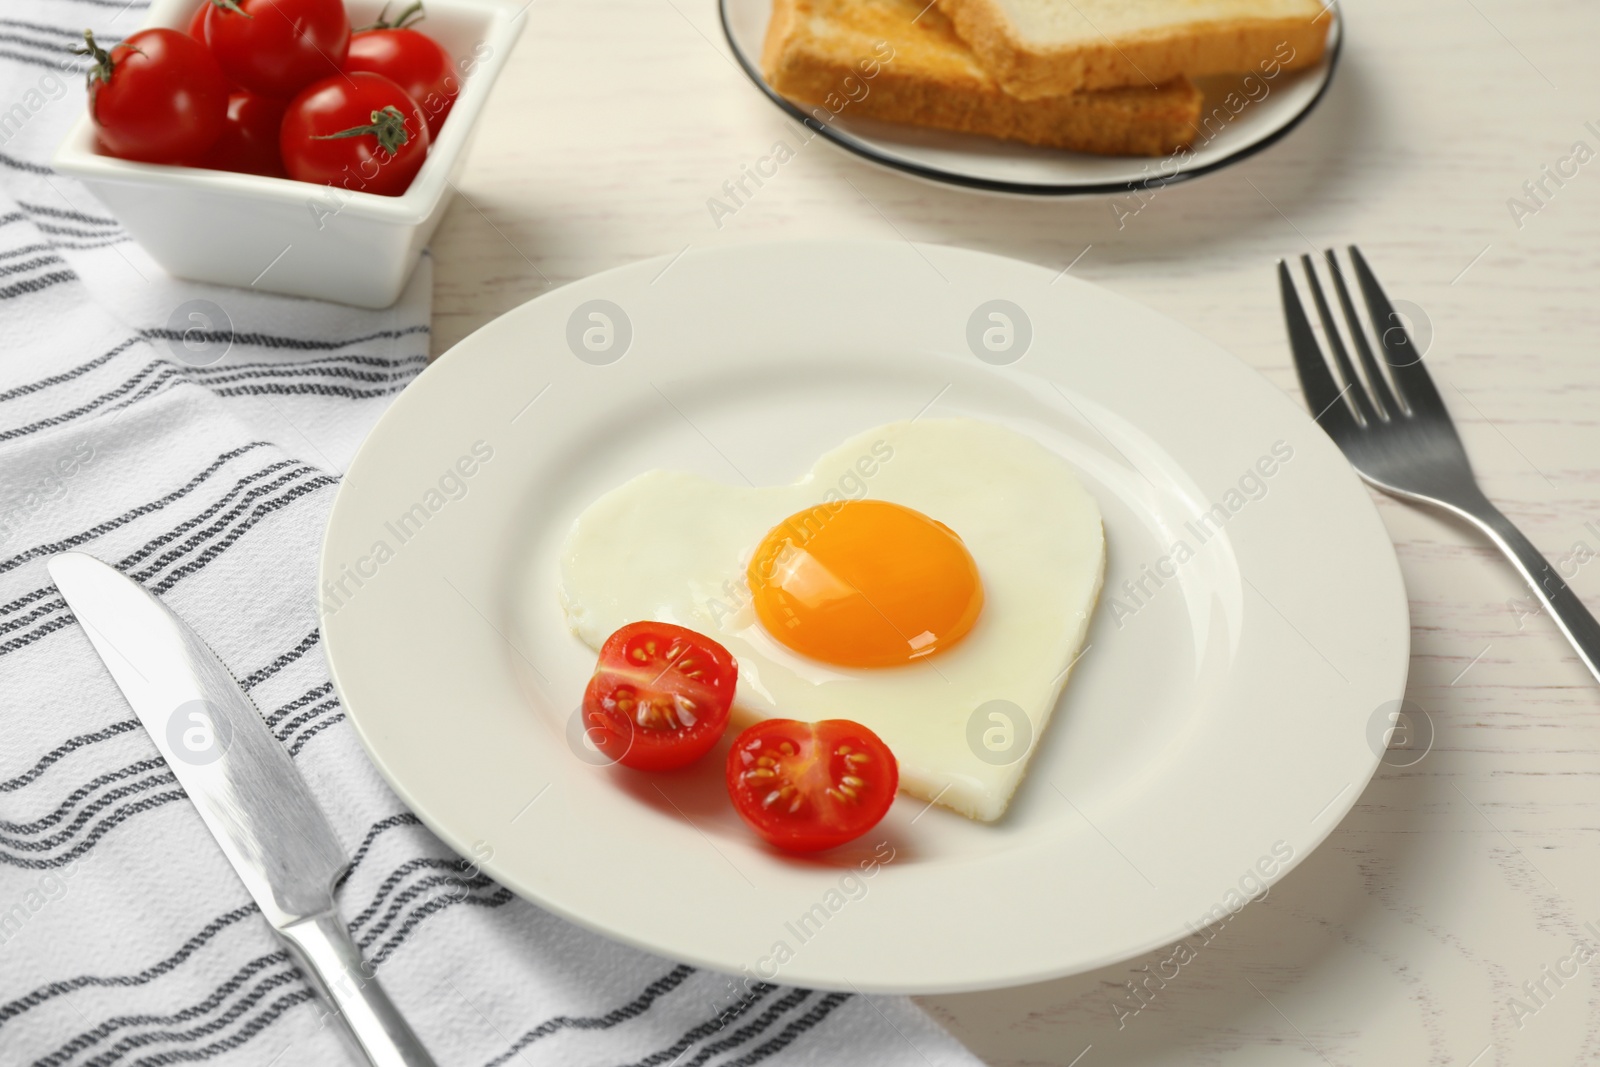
(246, 787)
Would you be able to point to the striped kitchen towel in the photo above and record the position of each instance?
(194, 437)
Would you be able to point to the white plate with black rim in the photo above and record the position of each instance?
(1242, 115)
(1228, 712)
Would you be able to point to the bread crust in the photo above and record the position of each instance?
(931, 79)
(1145, 58)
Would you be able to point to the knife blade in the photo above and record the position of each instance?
(247, 790)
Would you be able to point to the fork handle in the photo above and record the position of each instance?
(1556, 596)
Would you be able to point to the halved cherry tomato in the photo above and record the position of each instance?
(359, 131)
(414, 61)
(248, 143)
(659, 697)
(807, 786)
(277, 47)
(157, 97)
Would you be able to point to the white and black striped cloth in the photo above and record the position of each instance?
(204, 468)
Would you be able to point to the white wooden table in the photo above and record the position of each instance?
(1406, 937)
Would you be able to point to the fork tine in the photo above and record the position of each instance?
(1411, 378)
(1341, 358)
(1321, 391)
(1358, 335)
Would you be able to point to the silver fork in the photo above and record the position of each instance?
(1395, 431)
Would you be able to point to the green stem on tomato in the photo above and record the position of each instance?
(388, 126)
(231, 5)
(101, 68)
(409, 16)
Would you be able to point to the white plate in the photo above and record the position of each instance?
(1240, 117)
(1225, 718)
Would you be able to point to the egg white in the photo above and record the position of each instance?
(673, 547)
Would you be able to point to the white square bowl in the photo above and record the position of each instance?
(292, 237)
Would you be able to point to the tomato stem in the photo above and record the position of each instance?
(101, 68)
(409, 16)
(231, 5)
(388, 126)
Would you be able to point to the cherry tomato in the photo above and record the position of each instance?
(197, 24)
(807, 786)
(659, 697)
(359, 131)
(277, 47)
(413, 60)
(248, 143)
(157, 97)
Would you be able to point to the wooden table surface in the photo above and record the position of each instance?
(1408, 937)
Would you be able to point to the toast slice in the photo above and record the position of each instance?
(1036, 48)
(902, 61)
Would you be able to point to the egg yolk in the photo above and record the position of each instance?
(865, 583)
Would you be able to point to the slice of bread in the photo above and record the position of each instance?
(901, 61)
(1040, 48)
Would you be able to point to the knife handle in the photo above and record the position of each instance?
(321, 945)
